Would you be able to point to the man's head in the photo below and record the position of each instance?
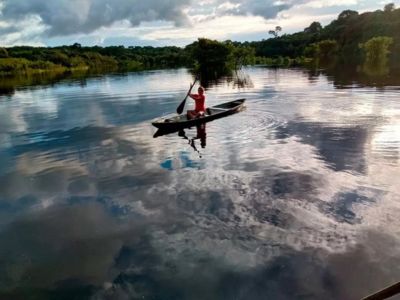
(200, 90)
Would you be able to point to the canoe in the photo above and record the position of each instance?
(212, 113)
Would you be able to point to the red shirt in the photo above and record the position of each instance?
(200, 101)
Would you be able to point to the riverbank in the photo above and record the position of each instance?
(30, 60)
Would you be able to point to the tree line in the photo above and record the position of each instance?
(345, 39)
(76, 57)
(371, 37)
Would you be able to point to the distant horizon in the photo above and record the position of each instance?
(130, 23)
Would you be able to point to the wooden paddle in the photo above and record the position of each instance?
(181, 106)
(385, 293)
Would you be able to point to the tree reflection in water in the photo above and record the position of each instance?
(238, 78)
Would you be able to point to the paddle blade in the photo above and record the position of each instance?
(181, 106)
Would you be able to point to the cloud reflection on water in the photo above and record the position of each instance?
(280, 211)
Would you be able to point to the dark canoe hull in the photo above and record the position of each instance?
(214, 112)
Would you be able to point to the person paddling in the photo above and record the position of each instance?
(200, 107)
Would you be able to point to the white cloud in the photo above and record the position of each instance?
(330, 3)
(66, 17)
(159, 22)
(25, 32)
(217, 28)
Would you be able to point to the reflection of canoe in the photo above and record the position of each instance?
(212, 113)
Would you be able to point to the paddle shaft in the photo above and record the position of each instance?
(181, 106)
(385, 293)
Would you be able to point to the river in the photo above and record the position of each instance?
(296, 197)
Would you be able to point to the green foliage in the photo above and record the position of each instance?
(326, 49)
(77, 62)
(314, 28)
(240, 56)
(348, 30)
(210, 54)
(389, 7)
(376, 55)
(377, 49)
(282, 61)
(375, 69)
(96, 60)
(108, 58)
(347, 14)
(43, 65)
(3, 53)
(292, 45)
(76, 46)
(13, 65)
(339, 40)
(23, 66)
(311, 50)
(131, 65)
(59, 58)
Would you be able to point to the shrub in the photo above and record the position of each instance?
(377, 49)
(3, 53)
(13, 65)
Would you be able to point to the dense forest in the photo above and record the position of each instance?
(342, 37)
(371, 37)
(75, 57)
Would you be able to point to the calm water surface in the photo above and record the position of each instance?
(297, 197)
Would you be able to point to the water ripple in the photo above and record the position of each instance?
(298, 185)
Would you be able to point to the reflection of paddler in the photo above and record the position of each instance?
(201, 134)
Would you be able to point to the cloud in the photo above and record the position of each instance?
(330, 3)
(27, 31)
(101, 209)
(266, 9)
(66, 17)
(158, 22)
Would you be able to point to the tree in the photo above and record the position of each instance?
(314, 28)
(241, 56)
(311, 50)
(275, 32)
(327, 48)
(346, 14)
(3, 53)
(76, 46)
(210, 54)
(376, 55)
(389, 7)
(324, 49)
(377, 49)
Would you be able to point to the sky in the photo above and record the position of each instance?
(161, 22)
